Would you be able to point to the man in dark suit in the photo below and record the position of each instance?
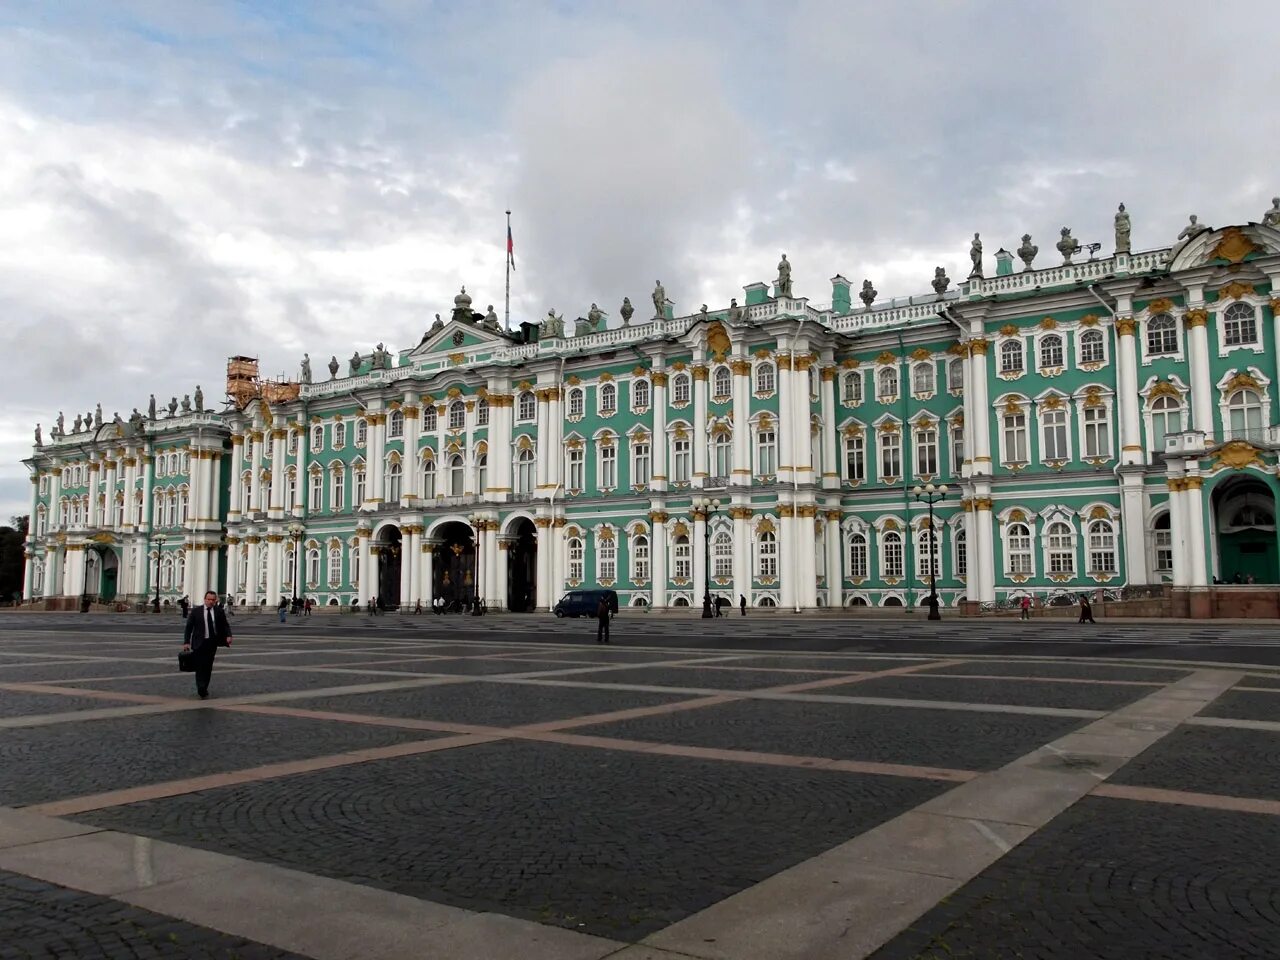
(207, 630)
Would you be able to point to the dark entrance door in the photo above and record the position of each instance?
(1246, 530)
(453, 567)
(522, 569)
(389, 568)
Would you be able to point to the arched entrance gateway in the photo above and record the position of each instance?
(522, 566)
(389, 559)
(101, 571)
(453, 564)
(1244, 524)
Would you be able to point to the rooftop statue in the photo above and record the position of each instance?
(135, 420)
(306, 368)
(97, 415)
(783, 283)
(78, 425)
(438, 324)
(333, 367)
(353, 365)
(868, 294)
(151, 407)
(491, 321)
(60, 428)
(39, 441)
(659, 301)
(186, 403)
(200, 399)
(1193, 229)
(1122, 230)
(626, 311)
(595, 319)
(173, 406)
(1272, 217)
(552, 326)
(975, 257)
(702, 312)
(1027, 252)
(1068, 246)
(735, 311)
(88, 422)
(940, 281)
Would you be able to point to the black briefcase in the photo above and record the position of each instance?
(187, 661)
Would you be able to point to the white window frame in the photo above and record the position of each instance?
(766, 555)
(607, 399)
(1008, 431)
(315, 491)
(641, 395)
(317, 438)
(886, 378)
(1012, 344)
(681, 459)
(721, 384)
(607, 466)
(766, 378)
(1101, 544)
(680, 390)
(855, 453)
(1042, 345)
(1019, 549)
(395, 425)
(1220, 314)
(576, 403)
(926, 452)
(1148, 355)
(851, 393)
(888, 455)
(1055, 550)
(859, 556)
(641, 463)
(888, 566)
(766, 452)
(1100, 419)
(639, 556)
(575, 469)
(457, 413)
(1101, 335)
(924, 378)
(526, 407)
(1043, 416)
(682, 557)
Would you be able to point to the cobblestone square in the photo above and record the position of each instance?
(501, 793)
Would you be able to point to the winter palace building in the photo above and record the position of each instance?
(1104, 422)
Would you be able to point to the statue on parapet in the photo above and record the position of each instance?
(1122, 230)
(491, 321)
(438, 325)
(76, 426)
(626, 311)
(135, 421)
(333, 367)
(39, 441)
(1068, 246)
(186, 403)
(735, 311)
(1272, 217)
(173, 407)
(1193, 229)
(595, 318)
(199, 398)
(868, 294)
(97, 415)
(782, 286)
(975, 257)
(659, 301)
(151, 407)
(353, 365)
(552, 327)
(306, 368)
(88, 420)
(1027, 252)
(940, 281)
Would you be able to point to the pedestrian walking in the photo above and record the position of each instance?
(185, 605)
(283, 609)
(369, 607)
(742, 603)
(602, 620)
(206, 630)
(228, 605)
(1026, 608)
(306, 607)
(417, 608)
(1086, 609)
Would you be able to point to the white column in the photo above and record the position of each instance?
(543, 565)
(835, 556)
(800, 428)
(806, 553)
(787, 573)
(275, 497)
(658, 556)
(544, 449)
(501, 573)
(500, 410)
(299, 506)
(558, 558)
(740, 469)
(366, 585)
(659, 447)
(130, 489)
(1133, 525)
(407, 541)
(785, 421)
(426, 586)
(28, 572)
(699, 432)
(195, 489)
(214, 490)
(1127, 398)
(53, 564)
(977, 434)
(255, 468)
(377, 478)
(830, 455)
(411, 474)
(233, 566)
(741, 515)
(1196, 529)
(255, 561)
(699, 545)
(55, 491)
(494, 594)
(73, 575)
(95, 513)
(1201, 379)
(275, 561)
(986, 554)
(375, 571)
(1178, 532)
(109, 493)
(238, 505)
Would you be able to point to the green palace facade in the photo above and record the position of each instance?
(1104, 422)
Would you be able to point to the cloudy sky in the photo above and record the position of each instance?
(182, 181)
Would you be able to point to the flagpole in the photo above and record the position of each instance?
(506, 319)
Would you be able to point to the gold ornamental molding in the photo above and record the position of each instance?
(1125, 326)
(849, 363)
(1159, 305)
(1233, 247)
(1093, 397)
(1236, 455)
(957, 349)
(1048, 323)
(659, 378)
(786, 511)
(886, 357)
(982, 503)
(700, 372)
(979, 346)
(852, 430)
(741, 368)
(1008, 330)
(1012, 406)
(1193, 483)
(1089, 320)
(1196, 318)
(921, 354)
(1274, 303)
(1163, 389)
(1241, 381)
(834, 515)
(1052, 402)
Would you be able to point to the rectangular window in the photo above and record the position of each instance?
(768, 555)
(683, 559)
(1015, 438)
(640, 469)
(1164, 551)
(1102, 548)
(957, 450)
(338, 491)
(1097, 433)
(608, 550)
(575, 471)
(927, 452)
(891, 555)
(339, 436)
(890, 457)
(576, 558)
(358, 489)
(960, 543)
(1020, 550)
(608, 468)
(640, 559)
(316, 500)
(855, 459)
(335, 566)
(767, 453)
(680, 456)
(1054, 442)
(858, 557)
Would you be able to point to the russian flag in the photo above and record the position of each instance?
(511, 249)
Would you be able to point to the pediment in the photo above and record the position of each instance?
(1224, 246)
(457, 336)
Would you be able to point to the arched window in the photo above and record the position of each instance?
(315, 496)
(362, 433)
(1162, 334)
(482, 412)
(1166, 418)
(1092, 349)
(395, 424)
(527, 407)
(607, 558)
(457, 415)
(853, 387)
(1011, 356)
(291, 486)
(887, 383)
(393, 481)
(1062, 550)
(858, 556)
(639, 394)
(576, 556)
(608, 398)
(891, 557)
(335, 566)
(928, 563)
(1102, 547)
(430, 420)
(524, 471)
(722, 383)
(682, 569)
(119, 510)
(429, 479)
(338, 488)
(922, 379)
(765, 379)
(359, 491)
(680, 388)
(1244, 412)
(1162, 541)
(313, 566)
(640, 558)
(960, 553)
(482, 474)
(457, 470)
(575, 402)
(768, 555)
(721, 455)
(722, 555)
(1239, 326)
(955, 375)
(1018, 545)
(339, 436)
(317, 438)
(1051, 350)
(184, 504)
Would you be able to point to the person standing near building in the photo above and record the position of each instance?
(742, 603)
(206, 630)
(1026, 608)
(602, 620)
(1086, 609)
(283, 609)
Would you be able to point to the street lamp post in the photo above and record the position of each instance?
(296, 530)
(477, 522)
(708, 507)
(159, 542)
(930, 494)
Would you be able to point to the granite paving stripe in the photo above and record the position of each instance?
(865, 677)
(915, 736)
(616, 844)
(1234, 723)
(1232, 761)
(1259, 681)
(43, 764)
(1185, 798)
(702, 678)
(918, 687)
(54, 672)
(1245, 705)
(237, 683)
(1070, 670)
(1030, 678)
(852, 662)
(15, 704)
